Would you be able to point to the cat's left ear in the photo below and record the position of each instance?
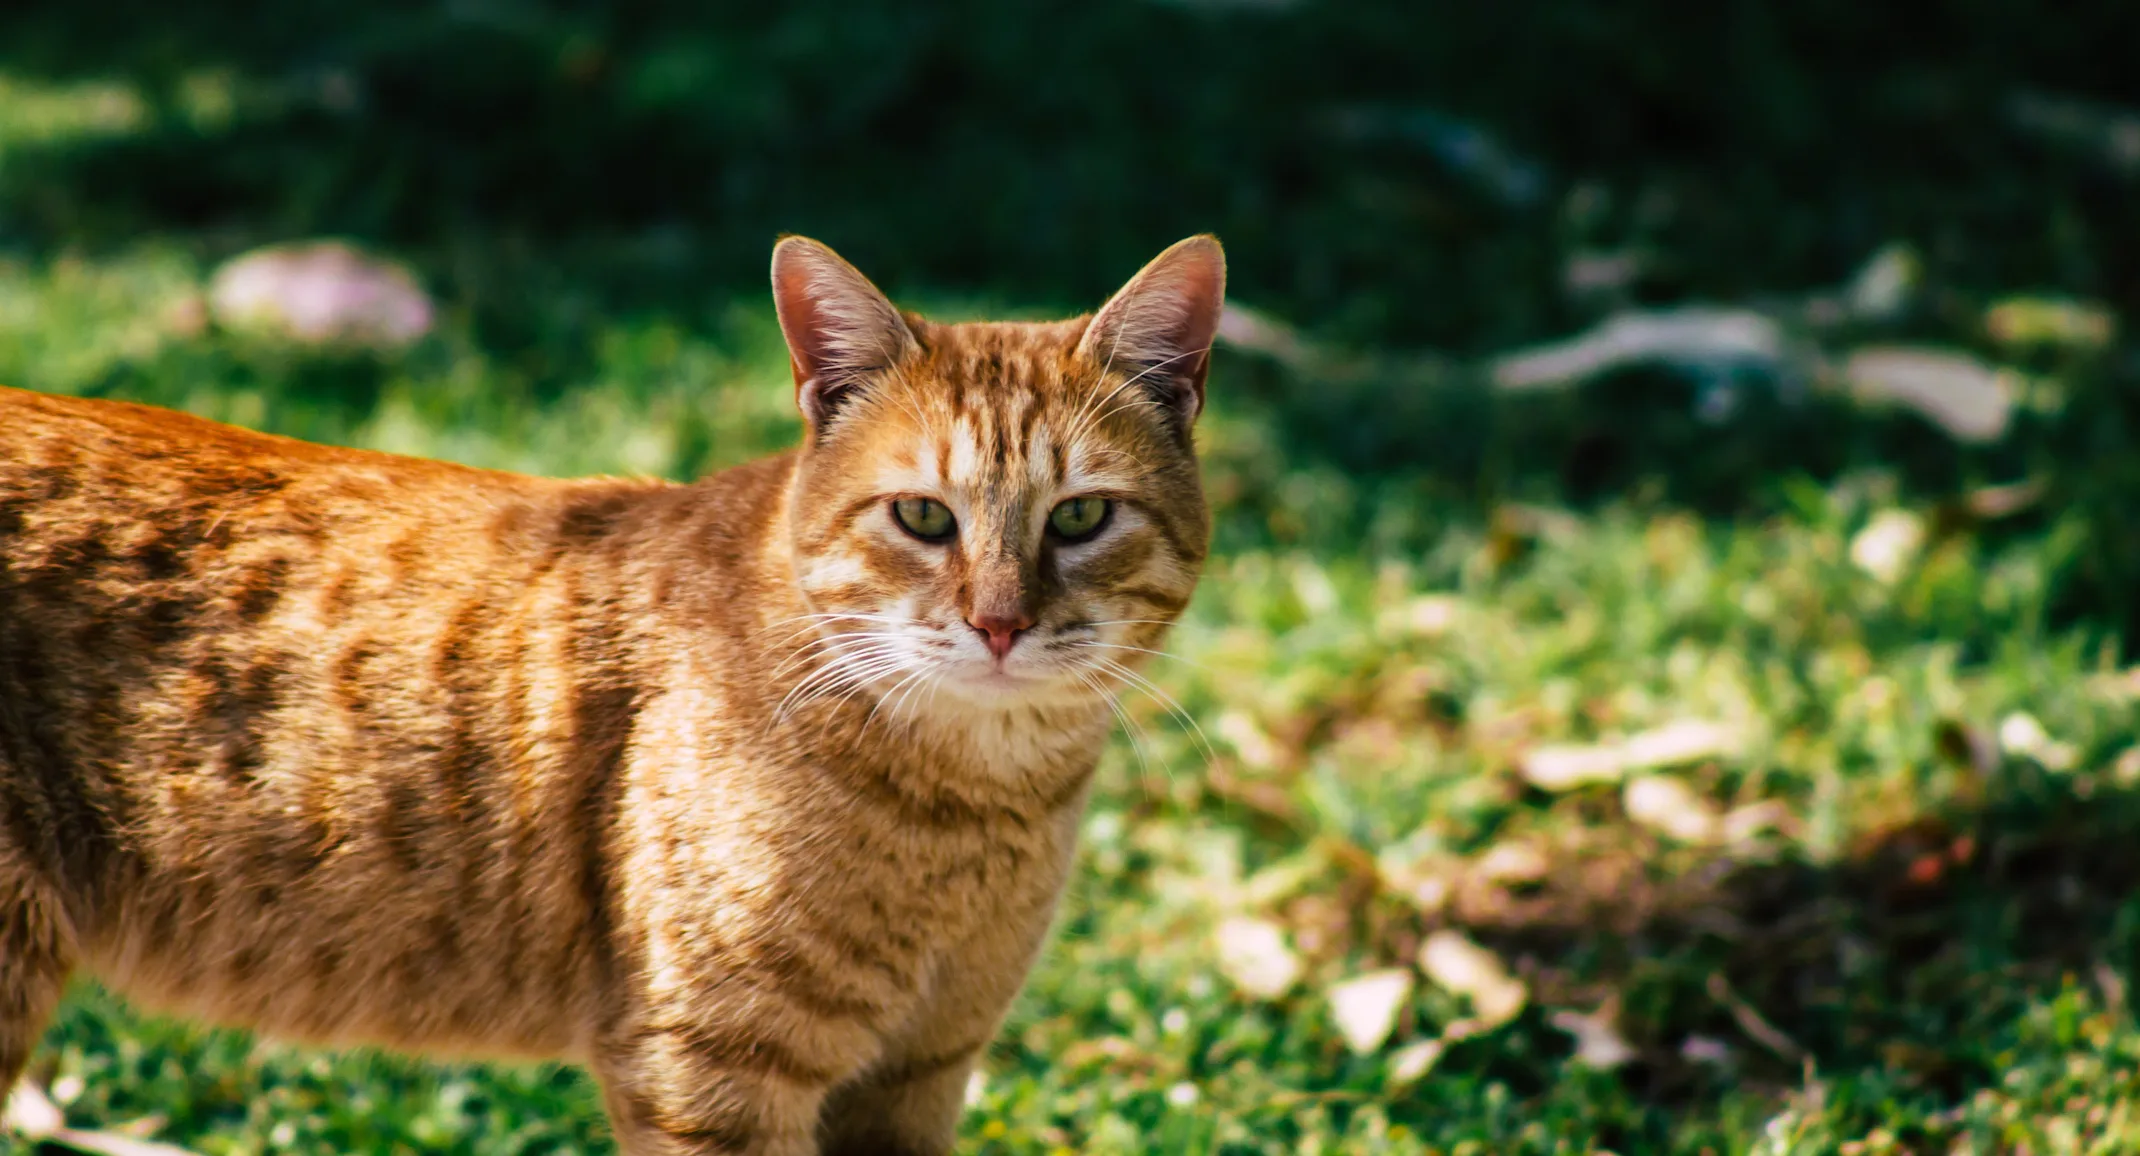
(840, 328)
(1160, 325)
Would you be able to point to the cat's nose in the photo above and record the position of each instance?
(1001, 630)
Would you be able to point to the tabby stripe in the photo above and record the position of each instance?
(848, 515)
(938, 811)
(1154, 597)
(867, 952)
(733, 1051)
(795, 979)
(515, 834)
(260, 589)
(1069, 791)
(605, 707)
(914, 1071)
(730, 1132)
(1165, 528)
(67, 832)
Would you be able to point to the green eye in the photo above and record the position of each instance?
(1078, 518)
(925, 518)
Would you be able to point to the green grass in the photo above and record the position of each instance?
(1944, 941)
(1417, 585)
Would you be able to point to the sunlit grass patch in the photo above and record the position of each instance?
(34, 111)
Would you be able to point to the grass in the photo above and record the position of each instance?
(1926, 944)
(1938, 932)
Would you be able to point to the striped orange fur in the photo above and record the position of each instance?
(741, 792)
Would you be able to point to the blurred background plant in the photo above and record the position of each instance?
(1663, 682)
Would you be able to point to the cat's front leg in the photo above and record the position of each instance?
(909, 1108)
(36, 953)
(713, 1089)
(909, 1102)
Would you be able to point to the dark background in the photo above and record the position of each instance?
(1391, 177)
(1037, 149)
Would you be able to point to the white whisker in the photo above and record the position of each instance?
(1148, 650)
(918, 673)
(1160, 696)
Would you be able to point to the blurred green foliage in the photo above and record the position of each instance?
(1397, 173)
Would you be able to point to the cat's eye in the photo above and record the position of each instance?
(925, 518)
(1076, 519)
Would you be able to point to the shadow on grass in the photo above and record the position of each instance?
(1898, 970)
(1391, 173)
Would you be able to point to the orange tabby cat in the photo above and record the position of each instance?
(755, 794)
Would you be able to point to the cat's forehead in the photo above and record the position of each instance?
(982, 364)
(1003, 404)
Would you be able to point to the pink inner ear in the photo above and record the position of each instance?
(1202, 289)
(1166, 317)
(801, 322)
(838, 326)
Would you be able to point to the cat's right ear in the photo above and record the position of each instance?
(840, 328)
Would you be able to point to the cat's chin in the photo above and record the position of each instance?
(998, 688)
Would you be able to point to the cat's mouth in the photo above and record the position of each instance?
(1004, 673)
(928, 668)
(1019, 676)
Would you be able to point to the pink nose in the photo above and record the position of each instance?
(1001, 630)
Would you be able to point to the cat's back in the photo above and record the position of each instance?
(114, 460)
(284, 722)
(139, 545)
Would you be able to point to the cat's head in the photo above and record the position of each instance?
(994, 514)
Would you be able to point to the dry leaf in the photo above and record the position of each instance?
(1281, 881)
(1565, 767)
(1258, 332)
(1427, 616)
(2021, 735)
(1672, 809)
(1705, 1050)
(1255, 746)
(1255, 957)
(1561, 767)
(30, 1114)
(1972, 401)
(1366, 1007)
(1708, 342)
(33, 1116)
(1741, 824)
(1888, 544)
(1598, 1042)
(1512, 862)
(2125, 769)
(1411, 1062)
(1427, 881)
(1884, 287)
(1456, 963)
(1685, 741)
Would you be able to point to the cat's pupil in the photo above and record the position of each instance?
(1077, 517)
(925, 518)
